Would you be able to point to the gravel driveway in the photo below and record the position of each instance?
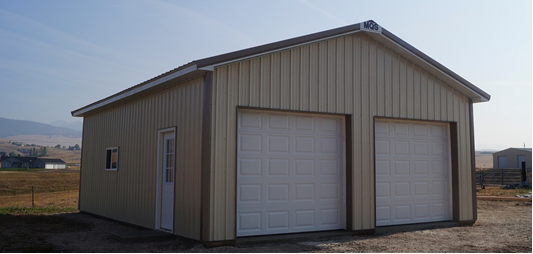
(502, 226)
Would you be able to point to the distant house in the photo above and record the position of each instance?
(32, 162)
(18, 162)
(512, 158)
(49, 163)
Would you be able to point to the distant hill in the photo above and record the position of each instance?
(75, 125)
(10, 127)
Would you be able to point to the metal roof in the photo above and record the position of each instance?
(199, 67)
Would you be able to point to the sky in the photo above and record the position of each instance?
(57, 56)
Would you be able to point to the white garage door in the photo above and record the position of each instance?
(290, 173)
(413, 172)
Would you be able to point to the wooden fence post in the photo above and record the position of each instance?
(32, 198)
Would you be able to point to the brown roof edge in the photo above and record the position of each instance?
(331, 33)
(232, 56)
(105, 101)
(276, 45)
(431, 61)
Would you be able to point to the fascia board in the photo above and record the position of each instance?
(135, 91)
(418, 57)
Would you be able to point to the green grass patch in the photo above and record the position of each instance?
(23, 169)
(36, 210)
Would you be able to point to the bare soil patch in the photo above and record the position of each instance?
(502, 226)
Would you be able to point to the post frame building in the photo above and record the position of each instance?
(346, 129)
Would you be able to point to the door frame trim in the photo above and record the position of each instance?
(347, 183)
(159, 177)
(451, 128)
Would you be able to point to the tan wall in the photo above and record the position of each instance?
(129, 194)
(351, 75)
(512, 158)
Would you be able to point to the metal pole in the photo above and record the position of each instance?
(523, 173)
(502, 176)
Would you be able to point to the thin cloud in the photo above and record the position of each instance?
(324, 12)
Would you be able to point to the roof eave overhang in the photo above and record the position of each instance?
(151, 86)
(385, 37)
(419, 58)
(201, 66)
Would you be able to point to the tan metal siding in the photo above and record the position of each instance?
(129, 194)
(351, 75)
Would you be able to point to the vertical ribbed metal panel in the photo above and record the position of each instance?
(351, 75)
(129, 193)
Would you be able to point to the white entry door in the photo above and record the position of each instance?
(167, 158)
(290, 175)
(413, 172)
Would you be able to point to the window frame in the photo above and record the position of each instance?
(109, 161)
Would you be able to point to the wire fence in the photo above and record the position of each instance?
(501, 177)
(39, 196)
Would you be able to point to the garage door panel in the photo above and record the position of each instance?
(421, 212)
(413, 181)
(278, 167)
(304, 167)
(421, 148)
(329, 145)
(304, 144)
(329, 167)
(278, 122)
(304, 192)
(400, 147)
(305, 123)
(250, 121)
(400, 129)
(305, 219)
(383, 168)
(250, 143)
(278, 144)
(277, 193)
(383, 190)
(291, 179)
(249, 193)
(250, 167)
(278, 220)
(420, 130)
(402, 168)
(421, 189)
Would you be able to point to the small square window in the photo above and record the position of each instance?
(111, 158)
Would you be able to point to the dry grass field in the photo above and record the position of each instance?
(55, 225)
(68, 156)
(58, 188)
(483, 159)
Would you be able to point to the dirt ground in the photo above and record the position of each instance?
(502, 226)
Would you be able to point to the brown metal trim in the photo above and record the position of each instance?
(467, 222)
(348, 156)
(276, 45)
(364, 232)
(349, 171)
(454, 150)
(279, 46)
(455, 171)
(205, 207)
(431, 61)
(290, 111)
(408, 119)
(81, 161)
(473, 159)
